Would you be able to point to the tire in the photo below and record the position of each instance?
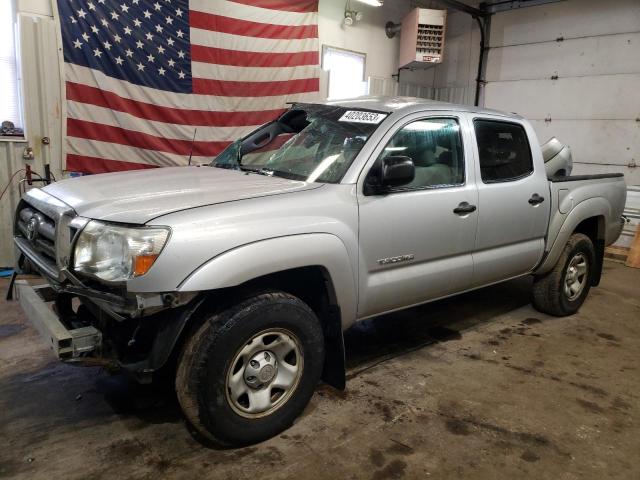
(219, 353)
(551, 292)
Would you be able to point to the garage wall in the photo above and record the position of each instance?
(595, 97)
(454, 79)
(451, 81)
(42, 114)
(593, 48)
(366, 36)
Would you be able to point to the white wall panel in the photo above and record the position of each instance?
(598, 146)
(10, 161)
(41, 88)
(592, 97)
(594, 105)
(35, 7)
(569, 18)
(455, 77)
(604, 55)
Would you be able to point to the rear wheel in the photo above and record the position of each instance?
(564, 289)
(249, 371)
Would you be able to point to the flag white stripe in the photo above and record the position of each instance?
(241, 11)
(95, 78)
(250, 74)
(115, 151)
(229, 41)
(106, 116)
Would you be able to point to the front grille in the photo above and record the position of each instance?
(36, 237)
(39, 230)
(43, 231)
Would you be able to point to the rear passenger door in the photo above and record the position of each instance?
(513, 203)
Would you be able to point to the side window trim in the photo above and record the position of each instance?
(401, 189)
(503, 121)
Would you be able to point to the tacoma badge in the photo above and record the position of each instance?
(398, 259)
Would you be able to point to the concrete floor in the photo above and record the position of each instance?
(478, 386)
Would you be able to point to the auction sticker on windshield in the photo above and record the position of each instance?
(357, 116)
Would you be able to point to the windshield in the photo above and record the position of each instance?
(313, 143)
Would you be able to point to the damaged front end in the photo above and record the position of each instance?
(85, 331)
(86, 321)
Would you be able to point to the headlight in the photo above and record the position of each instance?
(114, 253)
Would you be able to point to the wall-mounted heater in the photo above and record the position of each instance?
(422, 38)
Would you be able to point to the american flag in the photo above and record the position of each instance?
(143, 76)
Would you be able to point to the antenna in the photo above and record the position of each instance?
(195, 130)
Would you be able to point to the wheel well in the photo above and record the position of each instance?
(593, 227)
(313, 286)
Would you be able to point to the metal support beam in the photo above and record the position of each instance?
(485, 31)
(506, 5)
(463, 7)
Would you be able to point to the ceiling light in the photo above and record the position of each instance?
(373, 3)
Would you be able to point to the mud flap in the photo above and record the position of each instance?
(597, 270)
(12, 282)
(333, 372)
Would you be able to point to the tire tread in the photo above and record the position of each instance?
(548, 288)
(193, 359)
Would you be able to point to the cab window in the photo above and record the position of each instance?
(435, 146)
(504, 151)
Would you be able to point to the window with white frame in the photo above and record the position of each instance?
(9, 96)
(346, 72)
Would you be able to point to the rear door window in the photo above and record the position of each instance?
(504, 151)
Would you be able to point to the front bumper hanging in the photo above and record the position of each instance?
(67, 344)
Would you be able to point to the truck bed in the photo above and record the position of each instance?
(577, 178)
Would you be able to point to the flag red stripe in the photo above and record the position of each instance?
(121, 136)
(87, 164)
(84, 164)
(247, 28)
(222, 56)
(102, 98)
(300, 6)
(254, 89)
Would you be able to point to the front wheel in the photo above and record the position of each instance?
(248, 372)
(564, 289)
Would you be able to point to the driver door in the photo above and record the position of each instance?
(413, 246)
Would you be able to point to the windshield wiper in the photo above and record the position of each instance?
(260, 171)
(268, 172)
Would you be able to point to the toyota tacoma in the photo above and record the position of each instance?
(239, 277)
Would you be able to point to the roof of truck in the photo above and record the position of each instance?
(410, 105)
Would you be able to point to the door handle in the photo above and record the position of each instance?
(464, 208)
(536, 199)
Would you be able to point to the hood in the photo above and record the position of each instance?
(141, 195)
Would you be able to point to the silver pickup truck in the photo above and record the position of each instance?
(239, 277)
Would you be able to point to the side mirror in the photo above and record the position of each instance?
(392, 171)
(397, 170)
